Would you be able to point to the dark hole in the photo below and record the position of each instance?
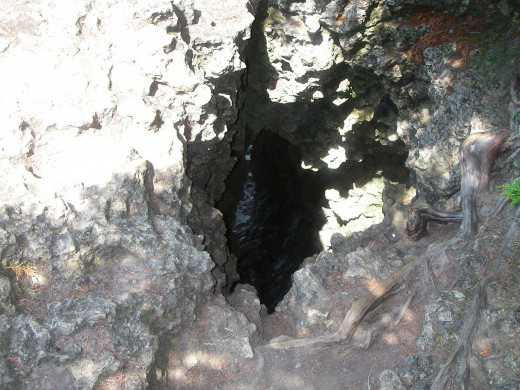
(154, 86)
(273, 208)
(278, 218)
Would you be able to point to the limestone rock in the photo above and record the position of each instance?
(335, 280)
(5, 288)
(293, 63)
(104, 100)
(442, 320)
(66, 316)
(29, 340)
(245, 300)
(120, 123)
(217, 342)
(308, 301)
(361, 208)
(389, 380)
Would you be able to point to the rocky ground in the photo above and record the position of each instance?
(125, 124)
(423, 320)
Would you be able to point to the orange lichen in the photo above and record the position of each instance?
(485, 352)
(14, 358)
(370, 284)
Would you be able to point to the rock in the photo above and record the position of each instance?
(339, 242)
(292, 63)
(451, 113)
(95, 153)
(5, 289)
(217, 342)
(245, 300)
(5, 378)
(308, 300)
(442, 321)
(361, 208)
(65, 317)
(389, 380)
(86, 371)
(30, 341)
(123, 121)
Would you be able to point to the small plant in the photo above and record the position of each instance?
(516, 118)
(23, 270)
(512, 191)
(26, 273)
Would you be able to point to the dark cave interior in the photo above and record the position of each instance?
(276, 222)
(278, 219)
(272, 206)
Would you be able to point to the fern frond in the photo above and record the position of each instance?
(512, 191)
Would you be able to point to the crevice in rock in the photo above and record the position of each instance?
(277, 222)
(275, 204)
(278, 219)
(266, 180)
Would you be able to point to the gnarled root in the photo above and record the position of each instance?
(477, 155)
(463, 352)
(356, 313)
(419, 217)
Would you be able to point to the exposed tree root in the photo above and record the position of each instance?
(362, 306)
(385, 320)
(419, 217)
(463, 352)
(356, 313)
(477, 155)
(463, 349)
(509, 160)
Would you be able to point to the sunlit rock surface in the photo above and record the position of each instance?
(120, 124)
(99, 101)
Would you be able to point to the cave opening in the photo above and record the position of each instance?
(278, 218)
(279, 214)
(299, 164)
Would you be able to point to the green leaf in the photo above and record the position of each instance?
(512, 191)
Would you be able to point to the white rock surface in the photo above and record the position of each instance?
(98, 102)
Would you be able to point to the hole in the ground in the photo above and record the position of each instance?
(278, 218)
(319, 166)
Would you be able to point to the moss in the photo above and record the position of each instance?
(274, 17)
(149, 317)
(92, 265)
